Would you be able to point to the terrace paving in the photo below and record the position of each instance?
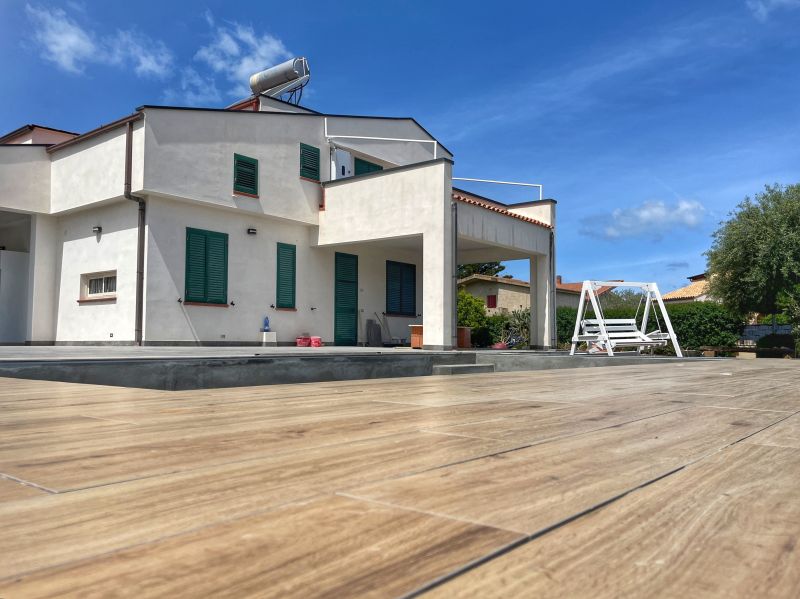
(675, 479)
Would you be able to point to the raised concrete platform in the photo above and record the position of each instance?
(181, 368)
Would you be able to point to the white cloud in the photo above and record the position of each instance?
(652, 218)
(236, 52)
(761, 9)
(72, 47)
(193, 89)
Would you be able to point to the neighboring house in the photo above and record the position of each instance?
(569, 294)
(503, 295)
(190, 225)
(695, 291)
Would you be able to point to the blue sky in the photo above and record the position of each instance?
(647, 121)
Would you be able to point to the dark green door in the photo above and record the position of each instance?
(345, 310)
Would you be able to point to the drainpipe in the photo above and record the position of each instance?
(454, 210)
(140, 231)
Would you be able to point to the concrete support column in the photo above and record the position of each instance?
(437, 292)
(542, 302)
(439, 268)
(42, 280)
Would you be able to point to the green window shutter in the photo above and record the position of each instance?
(394, 284)
(245, 174)
(363, 167)
(401, 288)
(195, 266)
(216, 268)
(309, 162)
(286, 285)
(206, 266)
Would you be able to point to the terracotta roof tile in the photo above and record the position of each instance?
(469, 200)
(691, 291)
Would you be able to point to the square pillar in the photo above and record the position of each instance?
(438, 292)
(42, 280)
(542, 302)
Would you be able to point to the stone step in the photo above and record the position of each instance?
(462, 368)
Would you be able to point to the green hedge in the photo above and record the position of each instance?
(697, 324)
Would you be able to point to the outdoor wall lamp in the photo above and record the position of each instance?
(97, 229)
(251, 231)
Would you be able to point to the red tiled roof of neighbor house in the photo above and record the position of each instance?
(462, 196)
(697, 287)
(576, 287)
(566, 287)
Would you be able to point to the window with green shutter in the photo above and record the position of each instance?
(362, 167)
(245, 174)
(286, 284)
(309, 162)
(401, 288)
(206, 267)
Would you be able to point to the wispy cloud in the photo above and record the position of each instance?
(650, 62)
(653, 218)
(762, 9)
(677, 265)
(237, 51)
(193, 89)
(72, 47)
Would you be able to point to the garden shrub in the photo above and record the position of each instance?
(697, 324)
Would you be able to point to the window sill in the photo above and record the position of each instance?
(287, 309)
(247, 195)
(317, 181)
(95, 300)
(400, 315)
(205, 304)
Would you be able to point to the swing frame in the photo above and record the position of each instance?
(611, 333)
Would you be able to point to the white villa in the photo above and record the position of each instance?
(187, 226)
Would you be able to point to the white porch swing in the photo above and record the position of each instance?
(606, 334)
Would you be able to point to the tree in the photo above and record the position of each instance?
(491, 269)
(471, 311)
(755, 256)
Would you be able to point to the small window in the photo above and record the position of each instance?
(285, 287)
(245, 175)
(362, 167)
(401, 288)
(491, 301)
(99, 285)
(206, 275)
(309, 162)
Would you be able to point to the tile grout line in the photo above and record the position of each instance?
(27, 483)
(437, 582)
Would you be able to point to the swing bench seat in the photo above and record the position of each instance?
(605, 334)
(621, 332)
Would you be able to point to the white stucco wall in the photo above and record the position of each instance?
(500, 230)
(252, 278)
(402, 203)
(93, 170)
(543, 211)
(393, 152)
(24, 178)
(190, 154)
(84, 252)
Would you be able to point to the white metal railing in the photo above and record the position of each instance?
(422, 141)
(541, 188)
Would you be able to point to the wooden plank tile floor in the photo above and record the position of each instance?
(668, 480)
